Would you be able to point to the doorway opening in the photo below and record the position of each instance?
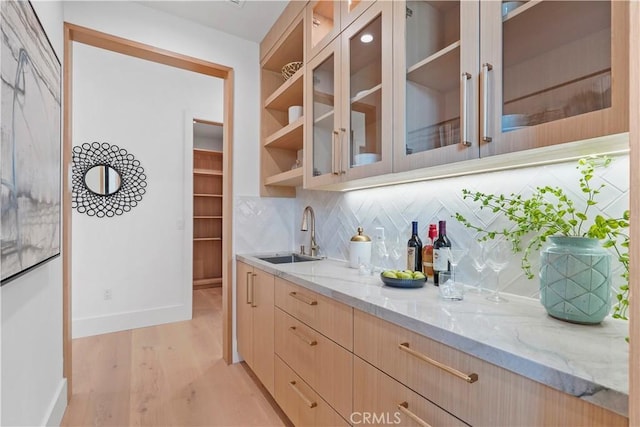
(74, 33)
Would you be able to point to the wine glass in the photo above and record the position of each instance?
(497, 259)
(478, 254)
(455, 255)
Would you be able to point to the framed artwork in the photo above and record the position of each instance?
(30, 120)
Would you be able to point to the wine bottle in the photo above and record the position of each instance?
(427, 251)
(440, 253)
(414, 249)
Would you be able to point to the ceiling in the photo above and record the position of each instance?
(250, 21)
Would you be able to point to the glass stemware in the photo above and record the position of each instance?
(455, 255)
(497, 259)
(478, 254)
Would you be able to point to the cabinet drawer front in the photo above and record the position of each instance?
(303, 406)
(322, 364)
(380, 400)
(403, 355)
(331, 318)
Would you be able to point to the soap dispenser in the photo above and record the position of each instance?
(359, 250)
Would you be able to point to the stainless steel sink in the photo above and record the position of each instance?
(287, 258)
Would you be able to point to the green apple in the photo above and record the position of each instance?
(390, 274)
(418, 275)
(403, 275)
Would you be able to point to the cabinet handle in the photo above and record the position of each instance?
(334, 150)
(486, 67)
(253, 290)
(248, 294)
(302, 298)
(304, 398)
(471, 378)
(298, 334)
(464, 113)
(343, 132)
(404, 408)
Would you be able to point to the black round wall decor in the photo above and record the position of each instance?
(131, 180)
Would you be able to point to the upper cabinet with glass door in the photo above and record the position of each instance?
(349, 103)
(327, 18)
(552, 72)
(436, 90)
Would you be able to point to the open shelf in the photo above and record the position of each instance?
(290, 93)
(208, 217)
(438, 71)
(207, 172)
(207, 239)
(207, 195)
(289, 137)
(207, 282)
(292, 178)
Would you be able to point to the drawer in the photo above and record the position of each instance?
(498, 397)
(400, 353)
(302, 405)
(323, 364)
(378, 399)
(331, 318)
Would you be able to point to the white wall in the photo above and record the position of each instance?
(142, 258)
(137, 22)
(33, 389)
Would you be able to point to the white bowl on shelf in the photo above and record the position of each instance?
(508, 6)
(365, 158)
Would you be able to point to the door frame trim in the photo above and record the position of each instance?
(76, 33)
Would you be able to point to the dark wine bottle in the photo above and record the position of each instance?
(440, 253)
(414, 249)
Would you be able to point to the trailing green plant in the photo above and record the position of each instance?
(549, 211)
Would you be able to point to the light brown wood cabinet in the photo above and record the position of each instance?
(282, 139)
(255, 321)
(300, 402)
(476, 392)
(348, 105)
(473, 81)
(207, 218)
(379, 399)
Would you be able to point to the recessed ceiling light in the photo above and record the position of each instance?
(366, 38)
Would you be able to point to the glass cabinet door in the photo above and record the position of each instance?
(322, 126)
(323, 21)
(436, 92)
(548, 72)
(365, 134)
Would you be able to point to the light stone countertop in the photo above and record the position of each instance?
(590, 362)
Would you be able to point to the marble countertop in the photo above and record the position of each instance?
(589, 362)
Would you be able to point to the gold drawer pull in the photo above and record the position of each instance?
(299, 334)
(304, 299)
(404, 408)
(471, 378)
(304, 398)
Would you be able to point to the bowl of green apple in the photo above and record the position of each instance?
(403, 278)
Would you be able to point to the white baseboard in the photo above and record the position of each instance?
(87, 326)
(58, 405)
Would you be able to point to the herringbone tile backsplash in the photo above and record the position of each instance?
(264, 224)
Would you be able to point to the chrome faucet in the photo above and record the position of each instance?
(313, 250)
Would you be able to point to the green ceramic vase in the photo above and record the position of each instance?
(575, 279)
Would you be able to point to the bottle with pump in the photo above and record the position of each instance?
(427, 251)
(440, 253)
(414, 249)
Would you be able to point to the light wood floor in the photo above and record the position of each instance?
(166, 375)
